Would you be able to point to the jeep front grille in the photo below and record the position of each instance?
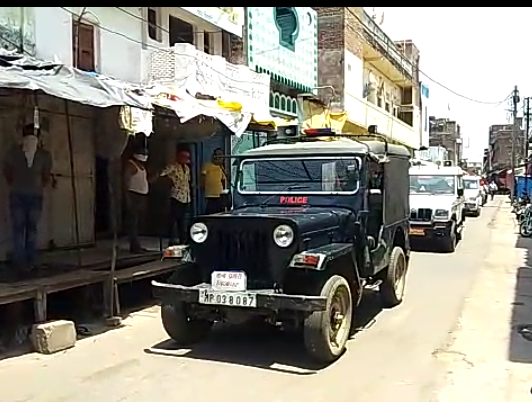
(243, 250)
(421, 215)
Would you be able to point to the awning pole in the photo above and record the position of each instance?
(114, 224)
(73, 184)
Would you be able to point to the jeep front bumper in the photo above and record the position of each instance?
(434, 230)
(265, 299)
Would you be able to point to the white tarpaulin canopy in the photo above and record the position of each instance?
(58, 80)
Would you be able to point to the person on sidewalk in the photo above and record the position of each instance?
(27, 170)
(493, 189)
(180, 197)
(213, 179)
(137, 188)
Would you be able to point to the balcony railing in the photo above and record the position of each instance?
(387, 45)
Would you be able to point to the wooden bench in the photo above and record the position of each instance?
(137, 273)
(38, 289)
(16, 293)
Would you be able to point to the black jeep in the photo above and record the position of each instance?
(314, 222)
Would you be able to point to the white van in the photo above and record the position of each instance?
(473, 195)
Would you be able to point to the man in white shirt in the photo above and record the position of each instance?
(137, 189)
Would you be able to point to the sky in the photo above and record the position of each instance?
(470, 51)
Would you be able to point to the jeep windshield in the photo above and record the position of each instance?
(322, 175)
(471, 184)
(435, 185)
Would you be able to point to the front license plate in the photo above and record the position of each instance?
(221, 298)
(417, 232)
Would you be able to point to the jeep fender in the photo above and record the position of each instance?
(325, 255)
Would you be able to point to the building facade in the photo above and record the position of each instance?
(500, 146)
(118, 41)
(446, 133)
(283, 43)
(375, 79)
(425, 114)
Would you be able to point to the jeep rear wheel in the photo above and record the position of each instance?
(392, 288)
(326, 332)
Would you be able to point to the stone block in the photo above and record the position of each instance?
(53, 336)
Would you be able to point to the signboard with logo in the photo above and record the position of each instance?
(230, 19)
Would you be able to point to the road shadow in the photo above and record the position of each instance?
(520, 348)
(264, 346)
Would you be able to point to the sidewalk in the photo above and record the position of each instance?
(487, 358)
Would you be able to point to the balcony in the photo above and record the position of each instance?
(363, 113)
(394, 64)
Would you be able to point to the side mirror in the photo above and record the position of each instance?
(460, 192)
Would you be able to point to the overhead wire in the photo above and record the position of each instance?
(127, 37)
(456, 93)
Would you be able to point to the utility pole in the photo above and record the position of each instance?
(515, 133)
(526, 139)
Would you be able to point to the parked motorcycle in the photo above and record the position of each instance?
(525, 225)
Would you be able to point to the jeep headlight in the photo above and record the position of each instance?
(283, 235)
(199, 232)
(441, 214)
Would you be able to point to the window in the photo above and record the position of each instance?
(288, 26)
(226, 45)
(180, 31)
(291, 175)
(83, 46)
(471, 184)
(154, 23)
(207, 42)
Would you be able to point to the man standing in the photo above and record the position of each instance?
(493, 189)
(213, 181)
(179, 174)
(27, 170)
(137, 188)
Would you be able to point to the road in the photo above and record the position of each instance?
(394, 357)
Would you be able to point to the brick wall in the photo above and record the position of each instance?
(338, 30)
(331, 54)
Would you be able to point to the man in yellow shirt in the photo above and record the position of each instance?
(213, 181)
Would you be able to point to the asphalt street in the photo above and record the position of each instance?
(395, 355)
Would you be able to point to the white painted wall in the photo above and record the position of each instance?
(365, 113)
(122, 39)
(425, 113)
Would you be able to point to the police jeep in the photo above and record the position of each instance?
(315, 220)
(438, 205)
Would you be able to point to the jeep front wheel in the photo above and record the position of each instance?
(326, 332)
(449, 242)
(392, 288)
(180, 327)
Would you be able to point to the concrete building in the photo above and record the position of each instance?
(500, 146)
(425, 114)
(118, 41)
(446, 133)
(280, 42)
(375, 79)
